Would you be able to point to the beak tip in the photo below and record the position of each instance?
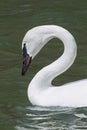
(22, 73)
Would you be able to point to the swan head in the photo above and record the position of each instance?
(31, 45)
(26, 59)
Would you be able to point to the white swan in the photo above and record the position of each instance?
(40, 90)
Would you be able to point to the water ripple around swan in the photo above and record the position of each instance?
(48, 118)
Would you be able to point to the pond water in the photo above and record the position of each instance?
(16, 18)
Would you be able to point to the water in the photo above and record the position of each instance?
(53, 118)
(16, 17)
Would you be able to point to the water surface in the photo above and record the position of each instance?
(16, 17)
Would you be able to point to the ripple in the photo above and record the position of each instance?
(39, 108)
(52, 118)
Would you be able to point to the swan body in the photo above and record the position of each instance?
(40, 90)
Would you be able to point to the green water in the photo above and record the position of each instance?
(16, 17)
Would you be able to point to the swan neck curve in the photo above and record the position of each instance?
(45, 76)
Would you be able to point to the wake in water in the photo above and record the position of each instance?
(52, 118)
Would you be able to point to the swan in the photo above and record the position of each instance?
(41, 92)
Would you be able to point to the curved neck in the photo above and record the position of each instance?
(45, 76)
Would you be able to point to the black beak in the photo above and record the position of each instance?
(26, 63)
